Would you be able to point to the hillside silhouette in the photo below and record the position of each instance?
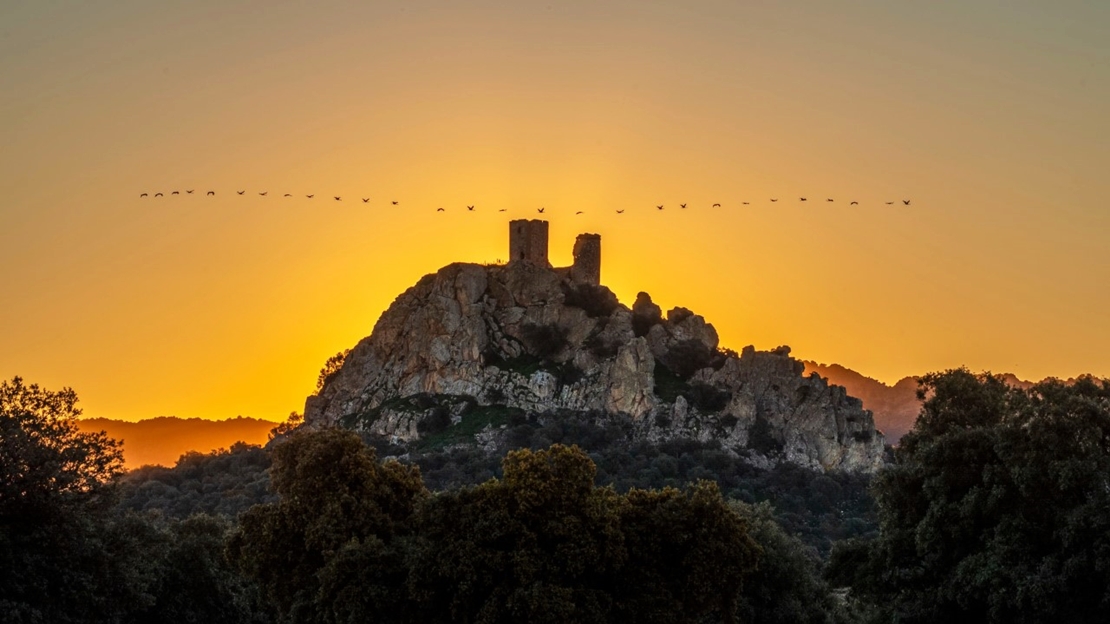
(164, 439)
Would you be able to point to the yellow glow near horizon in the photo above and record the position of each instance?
(214, 307)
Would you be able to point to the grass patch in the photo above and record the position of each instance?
(473, 421)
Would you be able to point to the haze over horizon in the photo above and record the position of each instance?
(991, 118)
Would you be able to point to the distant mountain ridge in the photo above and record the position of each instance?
(894, 408)
(164, 439)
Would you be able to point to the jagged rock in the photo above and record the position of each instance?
(505, 335)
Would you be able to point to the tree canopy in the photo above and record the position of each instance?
(997, 507)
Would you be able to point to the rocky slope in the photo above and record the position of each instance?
(527, 337)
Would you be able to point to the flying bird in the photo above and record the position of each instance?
(540, 210)
(660, 206)
(801, 199)
(240, 192)
(310, 196)
(682, 205)
(470, 208)
(395, 203)
(906, 202)
(158, 195)
(143, 195)
(578, 213)
(287, 195)
(746, 203)
(855, 203)
(439, 210)
(716, 205)
(774, 199)
(189, 191)
(828, 200)
(503, 210)
(620, 212)
(889, 203)
(263, 193)
(175, 193)
(211, 192)
(338, 198)
(366, 200)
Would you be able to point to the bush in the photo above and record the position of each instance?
(544, 341)
(596, 301)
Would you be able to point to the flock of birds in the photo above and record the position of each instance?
(472, 208)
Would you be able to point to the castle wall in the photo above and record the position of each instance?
(528, 241)
(587, 259)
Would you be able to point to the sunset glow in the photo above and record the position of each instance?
(991, 118)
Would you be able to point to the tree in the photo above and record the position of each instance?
(46, 463)
(331, 368)
(997, 508)
(330, 548)
(540, 545)
(54, 495)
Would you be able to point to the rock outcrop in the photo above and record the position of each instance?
(530, 337)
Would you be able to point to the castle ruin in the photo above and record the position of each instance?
(528, 243)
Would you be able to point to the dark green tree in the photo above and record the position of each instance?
(54, 493)
(997, 508)
(540, 545)
(330, 550)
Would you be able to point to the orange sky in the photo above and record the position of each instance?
(992, 117)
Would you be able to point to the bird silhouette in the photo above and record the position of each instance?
(503, 210)
(263, 193)
(395, 203)
(660, 206)
(439, 210)
(175, 193)
(287, 195)
(240, 192)
(889, 203)
(578, 213)
(211, 192)
(540, 210)
(620, 212)
(774, 199)
(143, 195)
(310, 196)
(801, 199)
(828, 200)
(855, 203)
(745, 203)
(470, 208)
(366, 200)
(189, 191)
(338, 198)
(716, 205)
(906, 202)
(158, 195)
(682, 205)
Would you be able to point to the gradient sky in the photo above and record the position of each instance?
(993, 117)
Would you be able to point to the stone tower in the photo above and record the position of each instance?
(528, 241)
(587, 259)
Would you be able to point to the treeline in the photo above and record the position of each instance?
(816, 507)
(996, 508)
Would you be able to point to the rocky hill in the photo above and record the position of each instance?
(470, 345)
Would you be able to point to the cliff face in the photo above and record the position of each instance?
(525, 336)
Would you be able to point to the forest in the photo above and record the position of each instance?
(994, 508)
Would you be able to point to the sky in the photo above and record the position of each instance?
(990, 116)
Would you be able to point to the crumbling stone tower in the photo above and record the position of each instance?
(587, 259)
(528, 241)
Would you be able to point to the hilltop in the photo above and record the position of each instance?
(470, 347)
